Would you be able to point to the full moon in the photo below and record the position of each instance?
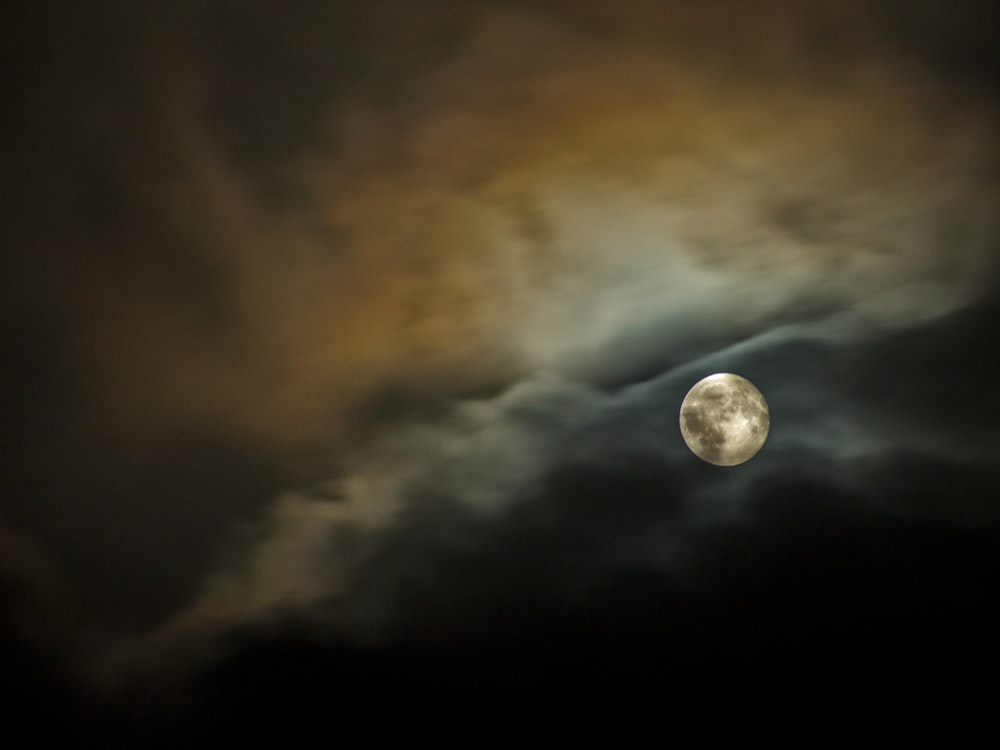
(724, 419)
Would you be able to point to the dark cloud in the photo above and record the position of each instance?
(344, 346)
(499, 516)
(814, 608)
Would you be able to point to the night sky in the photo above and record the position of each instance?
(344, 344)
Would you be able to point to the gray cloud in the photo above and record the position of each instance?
(461, 265)
(553, 488)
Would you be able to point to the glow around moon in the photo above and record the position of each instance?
(724, 419)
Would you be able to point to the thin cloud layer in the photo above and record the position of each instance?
(560, 489)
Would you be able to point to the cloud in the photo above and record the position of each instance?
(529, 195)
(507, 513)
(605, 573)
(463, 265)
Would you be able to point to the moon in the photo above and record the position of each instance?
(724, 419)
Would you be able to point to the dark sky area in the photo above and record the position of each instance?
(344, 344)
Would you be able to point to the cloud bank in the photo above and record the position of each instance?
(456, 269)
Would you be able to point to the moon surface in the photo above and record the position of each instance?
(724, 419)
